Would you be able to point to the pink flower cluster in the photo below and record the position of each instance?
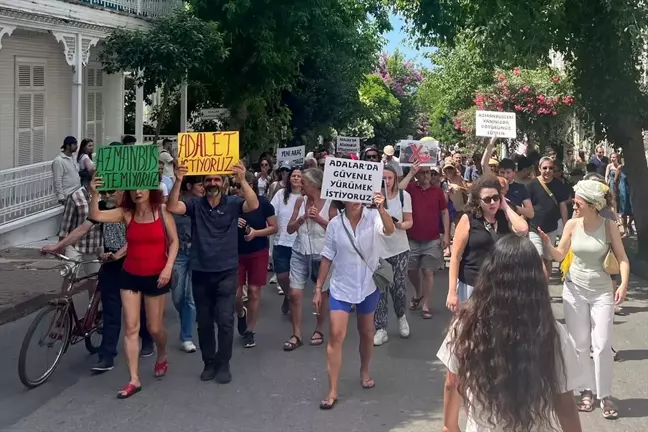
(400, 78)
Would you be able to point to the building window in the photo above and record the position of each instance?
(94, 105)
(30, 112)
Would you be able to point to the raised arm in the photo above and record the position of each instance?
(251, 198)
(295, 221)
(517, 223)
(174, 205)
(486, 157)
(410, 175)
(105, 216)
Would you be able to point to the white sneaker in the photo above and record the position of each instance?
(403, 327)
(244, 297)
(279, 290)
(380, 337)
(273, 279)
(188, 347)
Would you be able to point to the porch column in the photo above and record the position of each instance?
(183, 107)
(139, 114)
(76, 48)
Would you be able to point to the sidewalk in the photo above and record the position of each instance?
(29, 281)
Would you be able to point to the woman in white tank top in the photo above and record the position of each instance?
(309, 219)
(588, 300)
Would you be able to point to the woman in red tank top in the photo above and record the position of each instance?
(152, 242)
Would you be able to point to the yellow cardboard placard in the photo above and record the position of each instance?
(205, 153)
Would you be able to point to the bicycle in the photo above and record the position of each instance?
(64, 324)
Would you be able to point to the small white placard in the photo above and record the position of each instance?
(291, 156)
(495, 124)
(351, 180)
(348, 145)
(424, 151)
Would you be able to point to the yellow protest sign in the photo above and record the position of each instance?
(206, 153)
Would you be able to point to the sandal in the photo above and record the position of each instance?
(328, 404)
(586, 403)
(415, 302)
(426, 315)
(161, 369)
(291, 346)
(610, 411)
(368, 384)
(316, 341)
(128, 391)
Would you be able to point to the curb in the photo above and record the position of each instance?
(32, 305)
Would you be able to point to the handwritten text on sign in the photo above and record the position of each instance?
(495, 124)
(291, 156)
(206, 153)
(128, 167)
(348, 145)
(351, 180)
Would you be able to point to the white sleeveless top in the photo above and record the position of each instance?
(310, 235)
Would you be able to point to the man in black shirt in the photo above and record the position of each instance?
(600, 160)
(517, 193)
(549, 198)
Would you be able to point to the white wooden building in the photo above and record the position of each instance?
(52, 86)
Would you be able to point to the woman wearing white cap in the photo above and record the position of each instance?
(588, 300)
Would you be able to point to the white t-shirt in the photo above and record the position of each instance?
(573, 373)
(86, 163)
(397, 243)
(262, 184)
(284, 211)
(166, 157)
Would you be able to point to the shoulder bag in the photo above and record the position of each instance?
(610, 262)
(383, 275)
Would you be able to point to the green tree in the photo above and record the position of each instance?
(602, 42)
(176, 48)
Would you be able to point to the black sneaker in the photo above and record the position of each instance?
(242, 322)
(248, 340)
(147, 350)
(103, 365)
(209, 373)
(223, 376)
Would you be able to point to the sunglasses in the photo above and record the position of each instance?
(547, 168)
(490, 199)
(265, 165)
(372, 156)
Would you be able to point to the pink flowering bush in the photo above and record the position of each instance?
(541, 98)
(400, 75)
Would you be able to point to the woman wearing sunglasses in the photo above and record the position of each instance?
(488, 216)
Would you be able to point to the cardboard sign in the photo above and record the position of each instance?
(351, 180)
(348, 145)
(424, 151)
(291, 156)
(495, 124)
(133, 167)
(206, 153)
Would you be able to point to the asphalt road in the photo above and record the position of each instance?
(276, 391)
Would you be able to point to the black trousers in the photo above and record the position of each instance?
(109, 281)
(214, 295)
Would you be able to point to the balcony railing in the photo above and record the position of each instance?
(25, 191)
(148, 8)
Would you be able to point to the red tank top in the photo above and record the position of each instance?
(146, 255)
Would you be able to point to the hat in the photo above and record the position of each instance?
(493, 161)
(448, 165)
(115, 143)
(69, 140)
(435, 168)
(389, 150)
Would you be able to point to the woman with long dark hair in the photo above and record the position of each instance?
(284, 204)
(511, 363)
(84, 160)
(152, 242)
(488, 216)
(263, 176)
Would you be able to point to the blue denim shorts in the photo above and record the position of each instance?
(281, 259)
(367, 307)
(464, 291)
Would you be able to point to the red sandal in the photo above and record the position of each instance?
(128, 391)
(161, 369)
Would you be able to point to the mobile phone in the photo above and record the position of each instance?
(395, 220)
(384, 192)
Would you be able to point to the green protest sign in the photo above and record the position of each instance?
(132, 167)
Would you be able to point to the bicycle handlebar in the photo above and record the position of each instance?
(68, 259)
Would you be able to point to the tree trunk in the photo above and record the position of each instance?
(634, 158)
(162, 114)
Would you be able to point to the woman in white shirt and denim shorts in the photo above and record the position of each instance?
(351, 283)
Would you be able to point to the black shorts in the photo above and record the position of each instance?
(147, 285)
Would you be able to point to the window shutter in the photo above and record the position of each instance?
(38, 127)
(30, 112)
(24, 116)
(94, 105)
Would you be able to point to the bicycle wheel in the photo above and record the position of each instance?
(56, 324)
(94, 337)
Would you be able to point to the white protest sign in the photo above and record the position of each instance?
(495, 124)
(291, 156)
(424, 151)
(348, 145)
(351, 180)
